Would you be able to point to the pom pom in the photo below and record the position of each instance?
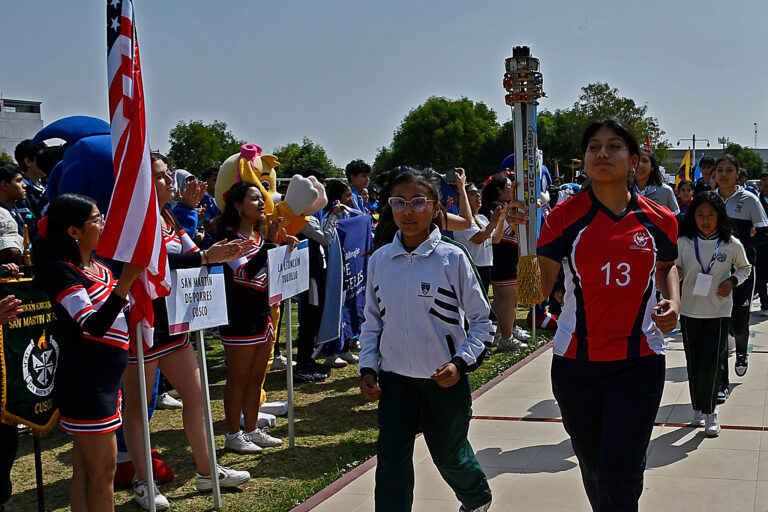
(529, 281)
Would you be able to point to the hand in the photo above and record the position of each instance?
(336, 207)
(496, 214)
(369, 388)
(461, 178)
(291, 241)
(194, 191)
(666, 319)
(274, 230)
(446, 376)
(131, 271)
(725, 288)
(449, 203)
(513, 213)
(9, 308)
(223, 251)
(198, 237)
(12, 269)
(200, 213)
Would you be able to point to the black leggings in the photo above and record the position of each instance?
(742, 302)
(609, 409)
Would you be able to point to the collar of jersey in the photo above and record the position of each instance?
(631, 205)
(425, 249)
(737, 192)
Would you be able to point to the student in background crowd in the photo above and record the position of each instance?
(711, 263)
(26, 156)
(477, 238)
(761, 261)
(358, 175)
(706, 166)
(685, 191)
(208, 202)
(743, 177)
(372, 203)
(649, 183)
(12, 189)
(750, 226)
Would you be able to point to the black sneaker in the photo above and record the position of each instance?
(741, 364)
(308, 374)
(319, 369)
(722, 395)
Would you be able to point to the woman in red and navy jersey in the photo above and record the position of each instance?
(247, 339)
(92, 333)
(608, 367)
(506, 253)
(174, 356)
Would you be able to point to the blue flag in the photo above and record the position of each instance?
(356, 242)
(697, 173)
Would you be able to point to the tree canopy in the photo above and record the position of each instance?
(443, 133)
(748, 159)
(196, 146)
(559, 131)
(294, 158)
(5, 157)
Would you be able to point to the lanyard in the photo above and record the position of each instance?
(714, 255)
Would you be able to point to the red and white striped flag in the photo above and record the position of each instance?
(132, 230)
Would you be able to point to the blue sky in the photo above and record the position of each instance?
(345, 73)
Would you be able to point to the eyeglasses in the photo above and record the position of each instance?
(417, 204)
(97, 219)
(475, 193)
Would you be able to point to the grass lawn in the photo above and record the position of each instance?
(335, 431)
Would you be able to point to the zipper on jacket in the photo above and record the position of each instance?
(407, 342)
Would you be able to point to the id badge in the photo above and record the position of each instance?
(703, 284)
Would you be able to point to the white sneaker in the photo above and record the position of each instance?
(227, 478)
(483, 508)
(141, 495)
(261, 438)
(240, 443)
(174, 393)
(334, 361)
(698, 419)
(279, 363)
(496, 339)
(511, 344)
(712, 427)
(166, 401)
(349, 357)
(520, 333)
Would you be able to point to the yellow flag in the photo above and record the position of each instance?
(684, 172)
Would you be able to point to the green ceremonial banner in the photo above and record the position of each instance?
(28, 360)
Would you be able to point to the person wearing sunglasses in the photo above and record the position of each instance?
(477, 237)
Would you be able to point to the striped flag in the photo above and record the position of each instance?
(132, 230)
(684, 172)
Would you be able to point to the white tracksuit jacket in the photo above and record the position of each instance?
(417, 307)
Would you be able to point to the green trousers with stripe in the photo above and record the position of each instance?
(408, 406)
(706, 347)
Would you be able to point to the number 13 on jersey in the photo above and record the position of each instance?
(619, 272)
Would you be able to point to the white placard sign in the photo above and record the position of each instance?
(288, 272)
(198, 299)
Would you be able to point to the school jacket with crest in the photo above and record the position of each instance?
(422, 310)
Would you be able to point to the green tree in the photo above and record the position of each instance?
(442, 133)
(197, 145)
(559, 131)
(5, 157)
(748, 159)
(294, 158)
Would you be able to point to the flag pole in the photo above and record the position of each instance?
(150, 477)
(38, 468)
(289, 372)
(208, 420)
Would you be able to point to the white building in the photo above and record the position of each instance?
(19, 120)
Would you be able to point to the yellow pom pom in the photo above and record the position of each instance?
(529, 281)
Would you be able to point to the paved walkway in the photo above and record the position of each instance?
(530, 465)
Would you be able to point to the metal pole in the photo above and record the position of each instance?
(201, 363)
(289, 372)
(693, 155)
(38, 473)
(150, 477)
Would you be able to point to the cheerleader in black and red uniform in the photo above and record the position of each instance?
(92, 333)
(175, 357)
(247, 339)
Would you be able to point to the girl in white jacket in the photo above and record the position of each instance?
(426, 326)
(712, 263)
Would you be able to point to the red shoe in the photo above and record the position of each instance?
(162, 471)
(543, 321)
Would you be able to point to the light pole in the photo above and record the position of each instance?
(693, 156)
